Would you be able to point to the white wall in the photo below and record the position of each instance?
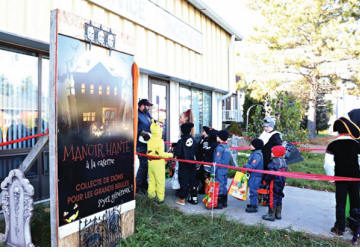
(143, 89)
(174, 111)
(216, 111)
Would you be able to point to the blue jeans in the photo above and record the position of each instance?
(254, 184)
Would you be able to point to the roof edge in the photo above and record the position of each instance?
(207, 11)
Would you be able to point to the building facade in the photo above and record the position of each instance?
(185, 53)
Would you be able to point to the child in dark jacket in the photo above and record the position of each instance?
(222, 155)
(186, 149)
(256, 162)
(205, 153)
(277, 183)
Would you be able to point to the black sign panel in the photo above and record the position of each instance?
(95, 129)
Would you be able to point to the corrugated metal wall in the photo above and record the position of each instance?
(31, 18)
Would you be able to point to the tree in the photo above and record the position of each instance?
(315, 43)
(323, 112)
(288, 113)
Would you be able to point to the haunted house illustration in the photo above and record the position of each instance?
(97, 102)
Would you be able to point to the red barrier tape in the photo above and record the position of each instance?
(297, 175)
(24, 139)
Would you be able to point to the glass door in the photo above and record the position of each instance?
(159, 98)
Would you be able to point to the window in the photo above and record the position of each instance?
(89, 116)
(107, 90)
(92, 89)
(200, 102)
(83, 88)
(100, 90)
(19, 85)
(185, 99)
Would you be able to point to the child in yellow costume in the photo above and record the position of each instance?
(156, 171)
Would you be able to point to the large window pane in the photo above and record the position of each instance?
(207, 109)
(45, 95)
(18, 97)
(197, 109)
(185, 99)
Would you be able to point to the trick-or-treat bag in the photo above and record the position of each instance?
(175, 178)
(239, 186)
(211, 194)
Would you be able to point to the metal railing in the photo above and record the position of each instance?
(232, 115)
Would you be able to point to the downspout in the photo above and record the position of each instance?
(231, 74)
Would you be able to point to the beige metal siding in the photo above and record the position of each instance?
(31, 18)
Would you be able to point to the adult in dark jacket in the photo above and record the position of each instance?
(144, 122)
(270, 138)
(341, 159)
(185, 149)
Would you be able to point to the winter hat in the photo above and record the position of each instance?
(344, 125)
(186, 128)
(223, 135)
(278, 151)
(206, 129)
(269, 122)
(257, 143)
(144, 102)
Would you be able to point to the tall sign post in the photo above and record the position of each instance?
(91, 134)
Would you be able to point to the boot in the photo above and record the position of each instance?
(220, 204)
(278, 212)
(270, 216)
(225, 199)
(251, 209)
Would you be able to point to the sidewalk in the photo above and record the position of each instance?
(305, 210)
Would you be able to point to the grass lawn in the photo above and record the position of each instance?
(313, 163)
(159, 226)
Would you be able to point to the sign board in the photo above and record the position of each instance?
(91, 138)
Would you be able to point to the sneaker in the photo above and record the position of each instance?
(180, 202)
(337, 231)
(192, 200)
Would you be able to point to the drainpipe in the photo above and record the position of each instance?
(231, 74)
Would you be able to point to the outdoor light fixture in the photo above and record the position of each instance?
(99, 36)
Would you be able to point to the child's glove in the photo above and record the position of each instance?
(144, 136)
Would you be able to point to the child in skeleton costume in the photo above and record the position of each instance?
(186, 149)
(277, 183)
(341, 159)
(155, 146)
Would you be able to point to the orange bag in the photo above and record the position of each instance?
(211, 194)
